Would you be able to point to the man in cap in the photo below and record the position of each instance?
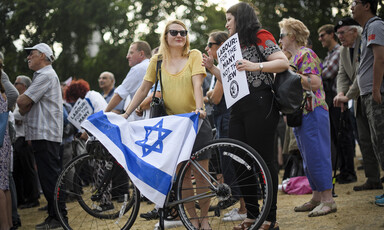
(42, 105)
(371, 85)
(349, 33)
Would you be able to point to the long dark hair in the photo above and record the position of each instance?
(2, 90)
(247, 23)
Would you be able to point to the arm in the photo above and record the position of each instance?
(315, 82)
(25, 104)
(115, 100)
(378, 71)
(217, 93)
(140, 94)
(10, 91)
(146, 104)
(276, 63)
(208, 63)
(197, 81)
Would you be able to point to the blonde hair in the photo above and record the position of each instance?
(164, 47)
(295, 28)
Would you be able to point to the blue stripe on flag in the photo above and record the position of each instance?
(191, 116)
(147, 173)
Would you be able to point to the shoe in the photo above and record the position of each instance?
(244, 225)
(151, 215)
(49, 223)
(347, 179)
(104, 207)
(368, 186)
(230, 213)
(30, 204)
(318, 211)
(44, 208)
(380, 202)
(234, 215)
(379, 197)
(269, 225)
(169, 224)
(308, 206)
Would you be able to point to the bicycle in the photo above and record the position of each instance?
(185, 201)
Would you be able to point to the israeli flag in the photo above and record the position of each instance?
(149, 150)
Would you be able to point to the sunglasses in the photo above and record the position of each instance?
(182, 33)
(210, 44)
(354, 3)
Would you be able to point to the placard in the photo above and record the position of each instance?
(80, 111)
(234, 82)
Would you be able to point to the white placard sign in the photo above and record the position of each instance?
(80, 111)
(234, 82)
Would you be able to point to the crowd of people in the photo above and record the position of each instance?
(343, 93)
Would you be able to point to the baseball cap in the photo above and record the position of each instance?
(43, 48)
(347, 21)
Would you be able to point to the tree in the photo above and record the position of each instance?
(73, 25)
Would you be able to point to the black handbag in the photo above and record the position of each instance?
(157, 108)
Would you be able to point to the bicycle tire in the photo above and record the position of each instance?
(244, 159)
(81, 212)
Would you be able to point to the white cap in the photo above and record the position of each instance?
(43, 48)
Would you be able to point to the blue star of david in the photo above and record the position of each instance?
(158, 145)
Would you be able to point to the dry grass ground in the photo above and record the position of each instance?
(356, 210)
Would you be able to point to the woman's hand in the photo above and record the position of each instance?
(245, 65)
(207, 61)
(202, 112)
(125, 115)
(139, 111)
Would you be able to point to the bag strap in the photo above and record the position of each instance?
(158, 71)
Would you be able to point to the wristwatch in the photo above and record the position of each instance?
(261, 66)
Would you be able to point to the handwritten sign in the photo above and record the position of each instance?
(80, 111)
(234, 82)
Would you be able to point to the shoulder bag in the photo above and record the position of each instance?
(157, 104)
(3, 126)
(287, 90)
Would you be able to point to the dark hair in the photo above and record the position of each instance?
(373, 5)
(219, 36)
(247, 23)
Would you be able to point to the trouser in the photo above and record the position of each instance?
(24, 172)
(343, 141)
(49, 166)
(370, 124)
(255, 124)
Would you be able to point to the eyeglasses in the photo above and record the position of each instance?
(341, 33)
(322, 35)
(182, 33)
(17, 83)
(210, 44)
(354, 3)
(283, 35)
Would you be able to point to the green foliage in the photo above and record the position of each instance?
(73, 24)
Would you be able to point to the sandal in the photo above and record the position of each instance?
(308, 206)
(269, 225)
(244, 225)
(318, 211)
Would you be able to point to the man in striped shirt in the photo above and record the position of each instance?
(42, 105)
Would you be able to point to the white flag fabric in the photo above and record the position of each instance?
(149, 150)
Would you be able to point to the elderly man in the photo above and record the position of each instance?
(371, 85)
(138, 57)
(349, 33)
(107, 84)
(43, 106)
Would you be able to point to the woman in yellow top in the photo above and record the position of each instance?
(182, 78)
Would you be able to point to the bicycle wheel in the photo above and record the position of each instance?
(116, 207)
(207, 190)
